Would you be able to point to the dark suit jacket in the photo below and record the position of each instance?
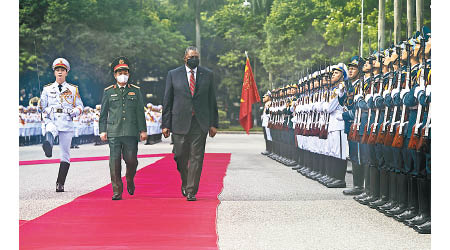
(179, 103)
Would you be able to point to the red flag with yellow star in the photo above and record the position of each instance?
(249, 95)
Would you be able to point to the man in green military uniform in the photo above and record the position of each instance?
(122, 123)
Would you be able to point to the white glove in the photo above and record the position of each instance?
(403, 93)
(73, 112)
(341, 90)
(376, 96)
(325, 107)
(394, 92)
(417, 90)
(368, 97)
(428, 90)
(358, 97)
(385, 93)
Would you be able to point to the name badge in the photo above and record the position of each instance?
(131, 93)
(114, 95)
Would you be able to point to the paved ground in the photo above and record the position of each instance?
(264, 205)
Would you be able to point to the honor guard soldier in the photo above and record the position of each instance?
(337, 139)
(349, 117)
(122, 122)
(97, 140)
(265, 122)
(60, 103)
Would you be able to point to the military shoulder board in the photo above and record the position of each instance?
(109, 87)
(135, 86)
(48, 85)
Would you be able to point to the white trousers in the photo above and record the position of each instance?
(65, 139)
(337, 144)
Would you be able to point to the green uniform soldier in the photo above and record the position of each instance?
(122, 123)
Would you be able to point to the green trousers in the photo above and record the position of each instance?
(125, 146)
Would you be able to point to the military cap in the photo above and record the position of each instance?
(61, 63)
(341, 67)
(20, 107)
(98, 106)
(120, 62)
(354, 61)
(268, 93)
(149, 105)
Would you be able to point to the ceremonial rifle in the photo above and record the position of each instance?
(373, 128)
(382, 130)
(389, 137)
(366, 133)
(400, 132)
(325, 131)
(415, 136)
(356, 137)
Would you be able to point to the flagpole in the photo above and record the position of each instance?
(246, 54)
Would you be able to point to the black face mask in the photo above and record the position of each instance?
(193, 62)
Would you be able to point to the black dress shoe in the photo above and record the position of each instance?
(353, 191)
(425, 228)
(336, 184)
(191, 197)
(59, 187)
(130, 188)
(265, 153)
(117, 197)
(419, 219)
(183, 191)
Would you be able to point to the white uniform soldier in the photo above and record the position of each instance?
(158, 121)
(337, 139)
(21, 126)
(98, 107)
(60, 102)
(148, 122)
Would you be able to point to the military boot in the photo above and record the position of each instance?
(47, 146)
(366, 192)
(424, 204)
(340, 168)
(402, 196)
(62, 174)
(392, 193)
(374, 186)
(413, 205)
(384, 190)
(358, 180)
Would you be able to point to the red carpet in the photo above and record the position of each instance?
(156, 217)
(94, 158)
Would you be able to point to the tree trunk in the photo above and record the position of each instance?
(381, 25)
(197, 28)
(410, 17)
(397, 20)
(419, 14)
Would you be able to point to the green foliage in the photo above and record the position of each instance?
(282, 37)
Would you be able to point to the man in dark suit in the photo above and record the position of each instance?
(122, 123)
(190, 112)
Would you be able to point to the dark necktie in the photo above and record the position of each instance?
(60, 87)
(192, 83)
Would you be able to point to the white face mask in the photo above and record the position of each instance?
(122, 78)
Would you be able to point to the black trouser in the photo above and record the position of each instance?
(189, 150)
(125, 146)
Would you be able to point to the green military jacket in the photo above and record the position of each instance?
(122, 114)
